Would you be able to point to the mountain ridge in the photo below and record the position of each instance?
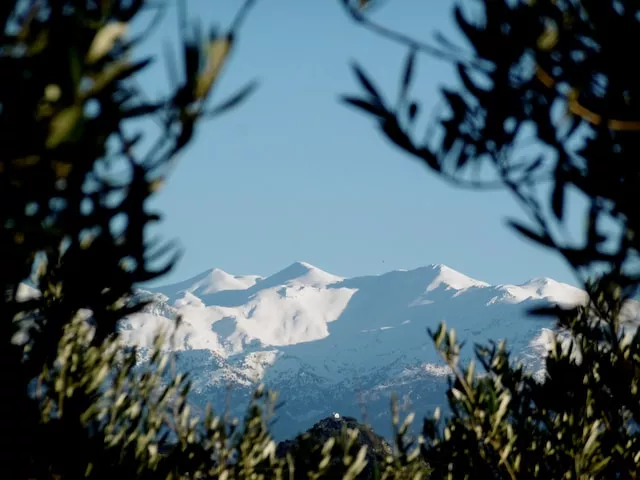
(329, 343)
(302, 266)
(334, 344)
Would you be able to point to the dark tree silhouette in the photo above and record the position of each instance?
(74, 185)
(558, 75)
(75, 176)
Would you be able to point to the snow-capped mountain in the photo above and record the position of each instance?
(330, 344)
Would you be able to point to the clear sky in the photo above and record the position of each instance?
(293, 174)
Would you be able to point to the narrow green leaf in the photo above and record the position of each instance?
(408, 71)
(365, 82)
(557, 199)
(536, 237)
(234, 99)
(377, 110)
(413, 111)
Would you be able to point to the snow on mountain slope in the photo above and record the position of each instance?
(208, 283)
(291, 307)
(544, 289)
(301, 304)
(218, 281)
(326, 342)
(452, 280)
(300, 273)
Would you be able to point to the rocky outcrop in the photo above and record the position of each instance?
(306, 448)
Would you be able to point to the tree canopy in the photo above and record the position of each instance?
(77, 171)
(554, 75)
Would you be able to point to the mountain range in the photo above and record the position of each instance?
(332, 344)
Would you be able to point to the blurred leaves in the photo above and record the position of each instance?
(531, 59)
(234, 99)
(74, 228)
(557, 77)
(105, 40)
(74, 189)
(77, 233)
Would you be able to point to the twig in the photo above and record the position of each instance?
(241, 15)
(406, 40)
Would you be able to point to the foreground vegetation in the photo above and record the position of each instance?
(76, 176)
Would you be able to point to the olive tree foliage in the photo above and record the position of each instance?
(548, 108)
(78, 164)
(76, 173)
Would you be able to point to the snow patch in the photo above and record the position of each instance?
(451, 279)
(544, 289)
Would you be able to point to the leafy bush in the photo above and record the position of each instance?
(554, 74)
(76, 173)
(74, 184)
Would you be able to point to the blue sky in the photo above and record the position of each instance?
(292, 174)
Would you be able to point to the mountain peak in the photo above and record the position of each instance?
(546, 288)
(219, 271)
(215, 281)
(208, 282)
(302, 273)
(440, 266)
(540, 281)
(305, 448)
(301, 264)
(298, 268)
(453, 279)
